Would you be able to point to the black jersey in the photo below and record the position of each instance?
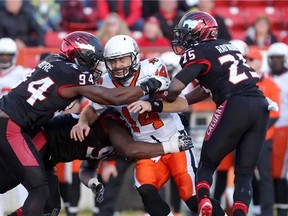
(96, 145)
(223, 71)
(35, 100)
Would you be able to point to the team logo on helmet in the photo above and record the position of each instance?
(85, 46)
(191, 23)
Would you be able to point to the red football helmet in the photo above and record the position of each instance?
(194, 27)
(84, 49)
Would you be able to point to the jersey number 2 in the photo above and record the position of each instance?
(234, 76)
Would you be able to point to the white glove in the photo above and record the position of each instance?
(272, 105)
(97, 189)
(178, 142)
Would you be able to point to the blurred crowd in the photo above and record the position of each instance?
(151, 22)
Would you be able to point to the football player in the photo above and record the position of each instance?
(52, 86)
(241, 118)
(108, 135)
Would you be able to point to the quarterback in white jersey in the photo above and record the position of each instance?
(10, 73)
(122, 60)
(150, 126)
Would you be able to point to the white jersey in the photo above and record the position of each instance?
(282, 81)
(11, 77)
(149, 126)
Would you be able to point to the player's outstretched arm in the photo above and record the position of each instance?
(126, 146)
(114, 96)
(179, 105)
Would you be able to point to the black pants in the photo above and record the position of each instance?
(22, 164)
(239, 123)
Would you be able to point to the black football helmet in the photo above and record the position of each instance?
(84, 49)
(194, 27)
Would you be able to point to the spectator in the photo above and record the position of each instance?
(98, 9)
(47, 14)
(149, 8)
(129, 11)
(168, 16)
(260, 33)
(153, 37)
(76, 17)
(18, 23)
(285, 38)
(208, 6)
(112, 25)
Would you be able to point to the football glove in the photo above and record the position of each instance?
(155, 83)
(272, 105)
(178, 142)
(97, 189)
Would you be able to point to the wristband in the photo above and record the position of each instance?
(157, 105)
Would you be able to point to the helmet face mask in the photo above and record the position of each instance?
(6, 61)
(122, 57)
(8, 53)
(193, 28)
(120, 72)
(97, 72)
(277, 58)
(84, 49)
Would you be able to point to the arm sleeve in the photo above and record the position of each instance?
(188, 74)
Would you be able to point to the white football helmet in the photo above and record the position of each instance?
(278, 49)
(171, 61)
(240, 45)
(121, 46)
(7, 47)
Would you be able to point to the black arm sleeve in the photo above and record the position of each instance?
(188, 74)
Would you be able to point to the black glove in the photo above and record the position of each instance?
(184, 141)
(151, 85)
(97, 189)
